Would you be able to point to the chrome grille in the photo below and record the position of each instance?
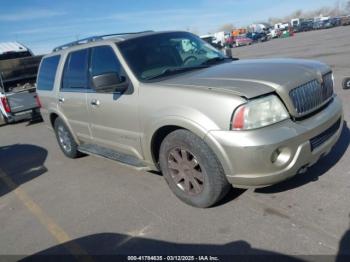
(311, 95)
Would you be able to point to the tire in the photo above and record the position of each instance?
(192, 170)
(65, 139)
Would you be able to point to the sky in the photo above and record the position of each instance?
(42, 25)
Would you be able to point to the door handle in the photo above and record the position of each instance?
(61, 99)
(95, 102)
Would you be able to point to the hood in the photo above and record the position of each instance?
(251, 78)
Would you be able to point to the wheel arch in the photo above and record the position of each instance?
(53, 115)
(160, 130)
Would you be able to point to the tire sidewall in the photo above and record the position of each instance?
(208, 162)
(73, 153)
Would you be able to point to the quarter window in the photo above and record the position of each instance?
(75, 73)
(47, 73)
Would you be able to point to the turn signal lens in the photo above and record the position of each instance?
(238, 120)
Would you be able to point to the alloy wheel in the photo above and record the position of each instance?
(64, 139)
(186, 171)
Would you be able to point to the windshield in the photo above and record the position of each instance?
(152, 55)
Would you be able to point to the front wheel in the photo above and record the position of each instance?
(192, 170)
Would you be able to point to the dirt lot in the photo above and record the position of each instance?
(51, 204)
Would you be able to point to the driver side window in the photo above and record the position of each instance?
(104, 60)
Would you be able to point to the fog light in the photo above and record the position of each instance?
(281, 156)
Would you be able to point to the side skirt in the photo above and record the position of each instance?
(92, 149)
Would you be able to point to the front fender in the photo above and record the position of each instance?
(182, 117)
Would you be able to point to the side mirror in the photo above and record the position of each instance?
(109, 82)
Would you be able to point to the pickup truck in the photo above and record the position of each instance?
(18, 70)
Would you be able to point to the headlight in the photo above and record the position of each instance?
(259, 113)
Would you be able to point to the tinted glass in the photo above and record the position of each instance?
(150, 55)
(76, 70)
(47, 73)
(103, 60)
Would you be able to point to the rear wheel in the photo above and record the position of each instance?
(192, 170)
(65, 139)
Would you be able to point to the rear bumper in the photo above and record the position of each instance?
(250, 158)
(24, 115)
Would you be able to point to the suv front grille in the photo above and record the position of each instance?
(324, 136)
(312, 95)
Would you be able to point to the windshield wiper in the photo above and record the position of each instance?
(171, 71)
(215, 60)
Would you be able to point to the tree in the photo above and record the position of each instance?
(347, 6)
(226, 27)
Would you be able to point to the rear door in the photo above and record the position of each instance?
(72, 94)
(113, 116)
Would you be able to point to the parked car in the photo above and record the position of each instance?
(210, 39)
(242, 41)
(306, 25)
(18, 71)
(276, 33)
(257, 37)
(303, 25)
(323, 24)
(282, 26)
(345, 20)
(335, 21)
(200, 118)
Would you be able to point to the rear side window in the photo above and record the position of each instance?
(47, 73)
(75, 74)
(104, 60)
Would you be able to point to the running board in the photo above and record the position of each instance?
(112, 154)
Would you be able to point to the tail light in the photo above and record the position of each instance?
(5, 104)
(37, 99)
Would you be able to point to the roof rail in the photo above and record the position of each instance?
(94, 39)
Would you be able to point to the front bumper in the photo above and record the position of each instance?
(249, 157)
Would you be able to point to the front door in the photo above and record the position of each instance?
(113, 116)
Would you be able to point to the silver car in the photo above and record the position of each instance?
(169, 101)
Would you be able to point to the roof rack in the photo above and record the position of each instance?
(94, 39)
